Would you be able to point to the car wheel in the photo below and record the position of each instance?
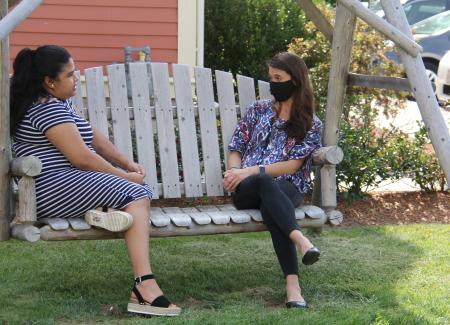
(431, 69)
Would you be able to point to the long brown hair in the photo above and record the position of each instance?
(302, 112)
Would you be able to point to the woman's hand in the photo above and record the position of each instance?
(135, 167)
(135, 177)
(233, 177)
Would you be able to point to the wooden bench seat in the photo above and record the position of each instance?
(178, 128)
(174, 221)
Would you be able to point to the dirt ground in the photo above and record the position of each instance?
(376, 209)
(398, 208)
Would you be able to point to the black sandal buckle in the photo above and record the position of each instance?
(142, 278)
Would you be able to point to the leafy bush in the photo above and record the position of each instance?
(241, 35)
(415, 158)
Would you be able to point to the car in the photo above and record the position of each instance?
(418, 10)
(433, 34)
(415, 10)
(443, 81)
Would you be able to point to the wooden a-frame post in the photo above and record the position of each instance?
(337, 85)
(423, 92)
(8, 21)
(399, 32)
(5, 147)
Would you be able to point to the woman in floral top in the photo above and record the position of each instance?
(270, 162)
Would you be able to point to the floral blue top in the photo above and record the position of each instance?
(260, 140)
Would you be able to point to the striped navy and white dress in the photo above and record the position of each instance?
(63, 191)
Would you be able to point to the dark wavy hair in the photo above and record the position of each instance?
(300, 121)
(30, 69)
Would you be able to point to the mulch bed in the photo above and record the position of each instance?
(398, 208)
(376, 209)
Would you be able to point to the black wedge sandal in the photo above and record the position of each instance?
(158, 307)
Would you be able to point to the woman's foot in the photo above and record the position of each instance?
(294, 293)
(115, 221)
(309, 253)
(155, 302)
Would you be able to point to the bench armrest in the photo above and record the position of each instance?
(331, 155)
(26, 166)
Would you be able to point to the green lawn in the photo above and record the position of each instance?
(367, 275)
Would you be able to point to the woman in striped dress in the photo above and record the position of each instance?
(79, 170)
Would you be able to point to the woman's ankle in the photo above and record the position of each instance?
(293, 291)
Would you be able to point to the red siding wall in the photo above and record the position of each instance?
(96, 31)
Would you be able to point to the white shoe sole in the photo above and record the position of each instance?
(151, 310)
(115, 221)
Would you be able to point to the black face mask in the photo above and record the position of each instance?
(282, 90)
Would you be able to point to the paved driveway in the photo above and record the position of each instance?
(406, 119)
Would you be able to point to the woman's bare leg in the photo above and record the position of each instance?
(293, 290)
(137, 241)
(302, 243)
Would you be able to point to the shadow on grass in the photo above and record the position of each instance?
(226, 279)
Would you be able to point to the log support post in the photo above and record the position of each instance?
(23, 227)
(340, 61)
(421, 87)
(5, 146)
(313, 13)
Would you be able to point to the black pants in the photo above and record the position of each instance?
(277, 200)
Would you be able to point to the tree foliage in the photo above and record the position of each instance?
(241, 35)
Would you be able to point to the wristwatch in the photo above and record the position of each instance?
(262, 169)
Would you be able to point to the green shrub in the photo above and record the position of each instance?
(241, 35)
(416, 159)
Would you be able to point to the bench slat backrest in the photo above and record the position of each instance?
(208, 130)
(264, 89)
(78, 104)
(96, 99)
(181, 140)
(120, 115)
(187, 131)
(166, 132)
(140, 94)
(246, 89)
(227, 107)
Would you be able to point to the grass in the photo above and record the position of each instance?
(367, 275)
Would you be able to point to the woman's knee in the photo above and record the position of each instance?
(143, 203)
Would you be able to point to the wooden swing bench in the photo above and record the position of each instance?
(166, 127)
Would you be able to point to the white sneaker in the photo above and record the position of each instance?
(115, 221)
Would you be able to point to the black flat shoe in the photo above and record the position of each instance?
(296, 304)
(311, 256)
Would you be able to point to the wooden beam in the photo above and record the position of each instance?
(46, 233)
(340, 61)
(391, 83)
(332, 155)
(27, 200)
(16, 16)
(25, 232)
(26, 166)
(5, 145)
(423, 92)
(315, 15)
(388, 30)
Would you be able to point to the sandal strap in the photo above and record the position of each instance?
(142, 278)
(139, 297)
(161, 301)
